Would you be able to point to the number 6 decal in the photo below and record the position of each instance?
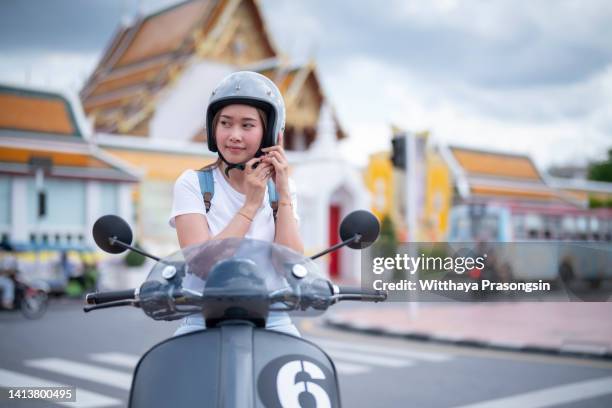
(289, 390)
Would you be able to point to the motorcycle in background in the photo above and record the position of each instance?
(31, 298)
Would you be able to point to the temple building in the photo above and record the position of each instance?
(54, 182)
(482, 175)
(147, 98)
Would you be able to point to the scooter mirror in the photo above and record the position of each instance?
(109, 226)
(363, 223)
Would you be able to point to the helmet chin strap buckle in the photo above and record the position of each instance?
(230, 166)
(239, 166)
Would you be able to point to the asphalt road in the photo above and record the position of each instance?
(96, 352)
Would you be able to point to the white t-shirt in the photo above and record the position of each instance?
(226, 202)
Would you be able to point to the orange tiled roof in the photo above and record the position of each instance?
(285, 78)
(544, 194)
(120, 78)
(66, 159)
(35, 111)
(163, 32)
(143, 57)
(79, 164)
(161, 166)
(476, 162)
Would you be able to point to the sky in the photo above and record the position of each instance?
(530, 77)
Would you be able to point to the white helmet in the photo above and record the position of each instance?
(253, 89)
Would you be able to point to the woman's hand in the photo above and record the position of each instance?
(275, 156)
(255, 184)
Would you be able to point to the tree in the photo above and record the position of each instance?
(386, 244)
(601, 171)
(134, 259)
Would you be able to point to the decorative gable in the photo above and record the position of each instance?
(147, 57)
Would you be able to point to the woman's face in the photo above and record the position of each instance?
(239, 132)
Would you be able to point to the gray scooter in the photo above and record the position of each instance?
(235, 284)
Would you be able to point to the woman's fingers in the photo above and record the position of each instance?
(248, 168)
(275, 148)
(266, 174)
(262, 168)
(277, 161)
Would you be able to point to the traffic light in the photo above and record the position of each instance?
(398, 152)
(42, 204)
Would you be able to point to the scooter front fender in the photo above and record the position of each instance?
(235, 366)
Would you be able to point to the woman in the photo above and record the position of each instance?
(245, 120)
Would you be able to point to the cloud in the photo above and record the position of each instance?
(461, 117)
(492, 44)
(66, 25)
(56, 69)
(535, 77)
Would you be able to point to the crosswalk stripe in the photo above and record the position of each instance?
(84, 371)
(413, 354)
(84, 398)
(368, 359)
(115, 358)
(130, 361)
(348, 368)
(562, 394)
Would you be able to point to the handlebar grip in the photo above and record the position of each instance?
(99, 298)
(352, 290)
(357, 293)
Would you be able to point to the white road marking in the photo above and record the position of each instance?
(115, 358)
(551, 396)
(412, 354)
(349, 369)
(368, 359)
(84, 371)
(84, 398)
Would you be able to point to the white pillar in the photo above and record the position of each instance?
(92, 210)
(125, 207)
(19, 210)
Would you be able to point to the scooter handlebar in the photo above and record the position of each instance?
(99, 298)
(357, 293)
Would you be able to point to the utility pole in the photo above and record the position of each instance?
(411, 215)
(404, 157)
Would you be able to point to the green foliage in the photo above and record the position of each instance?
(602, 171)
(386, 245)
(134, 259)
(597, 203)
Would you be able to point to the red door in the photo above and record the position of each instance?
(334, 238)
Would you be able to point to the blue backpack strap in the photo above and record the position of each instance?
(207, 186)
(272, 197)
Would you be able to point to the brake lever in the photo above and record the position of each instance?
(116, 303)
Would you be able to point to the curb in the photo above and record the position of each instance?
(570, 350)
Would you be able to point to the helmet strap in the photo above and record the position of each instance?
(239, 166)
(230, 166)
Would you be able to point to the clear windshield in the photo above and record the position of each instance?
(251, 276)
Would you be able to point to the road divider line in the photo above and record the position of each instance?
(349, 369)
(84, 371)
(115, 358)
(547, 397)
(84, 398)
(417, 355)
(369, 359)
